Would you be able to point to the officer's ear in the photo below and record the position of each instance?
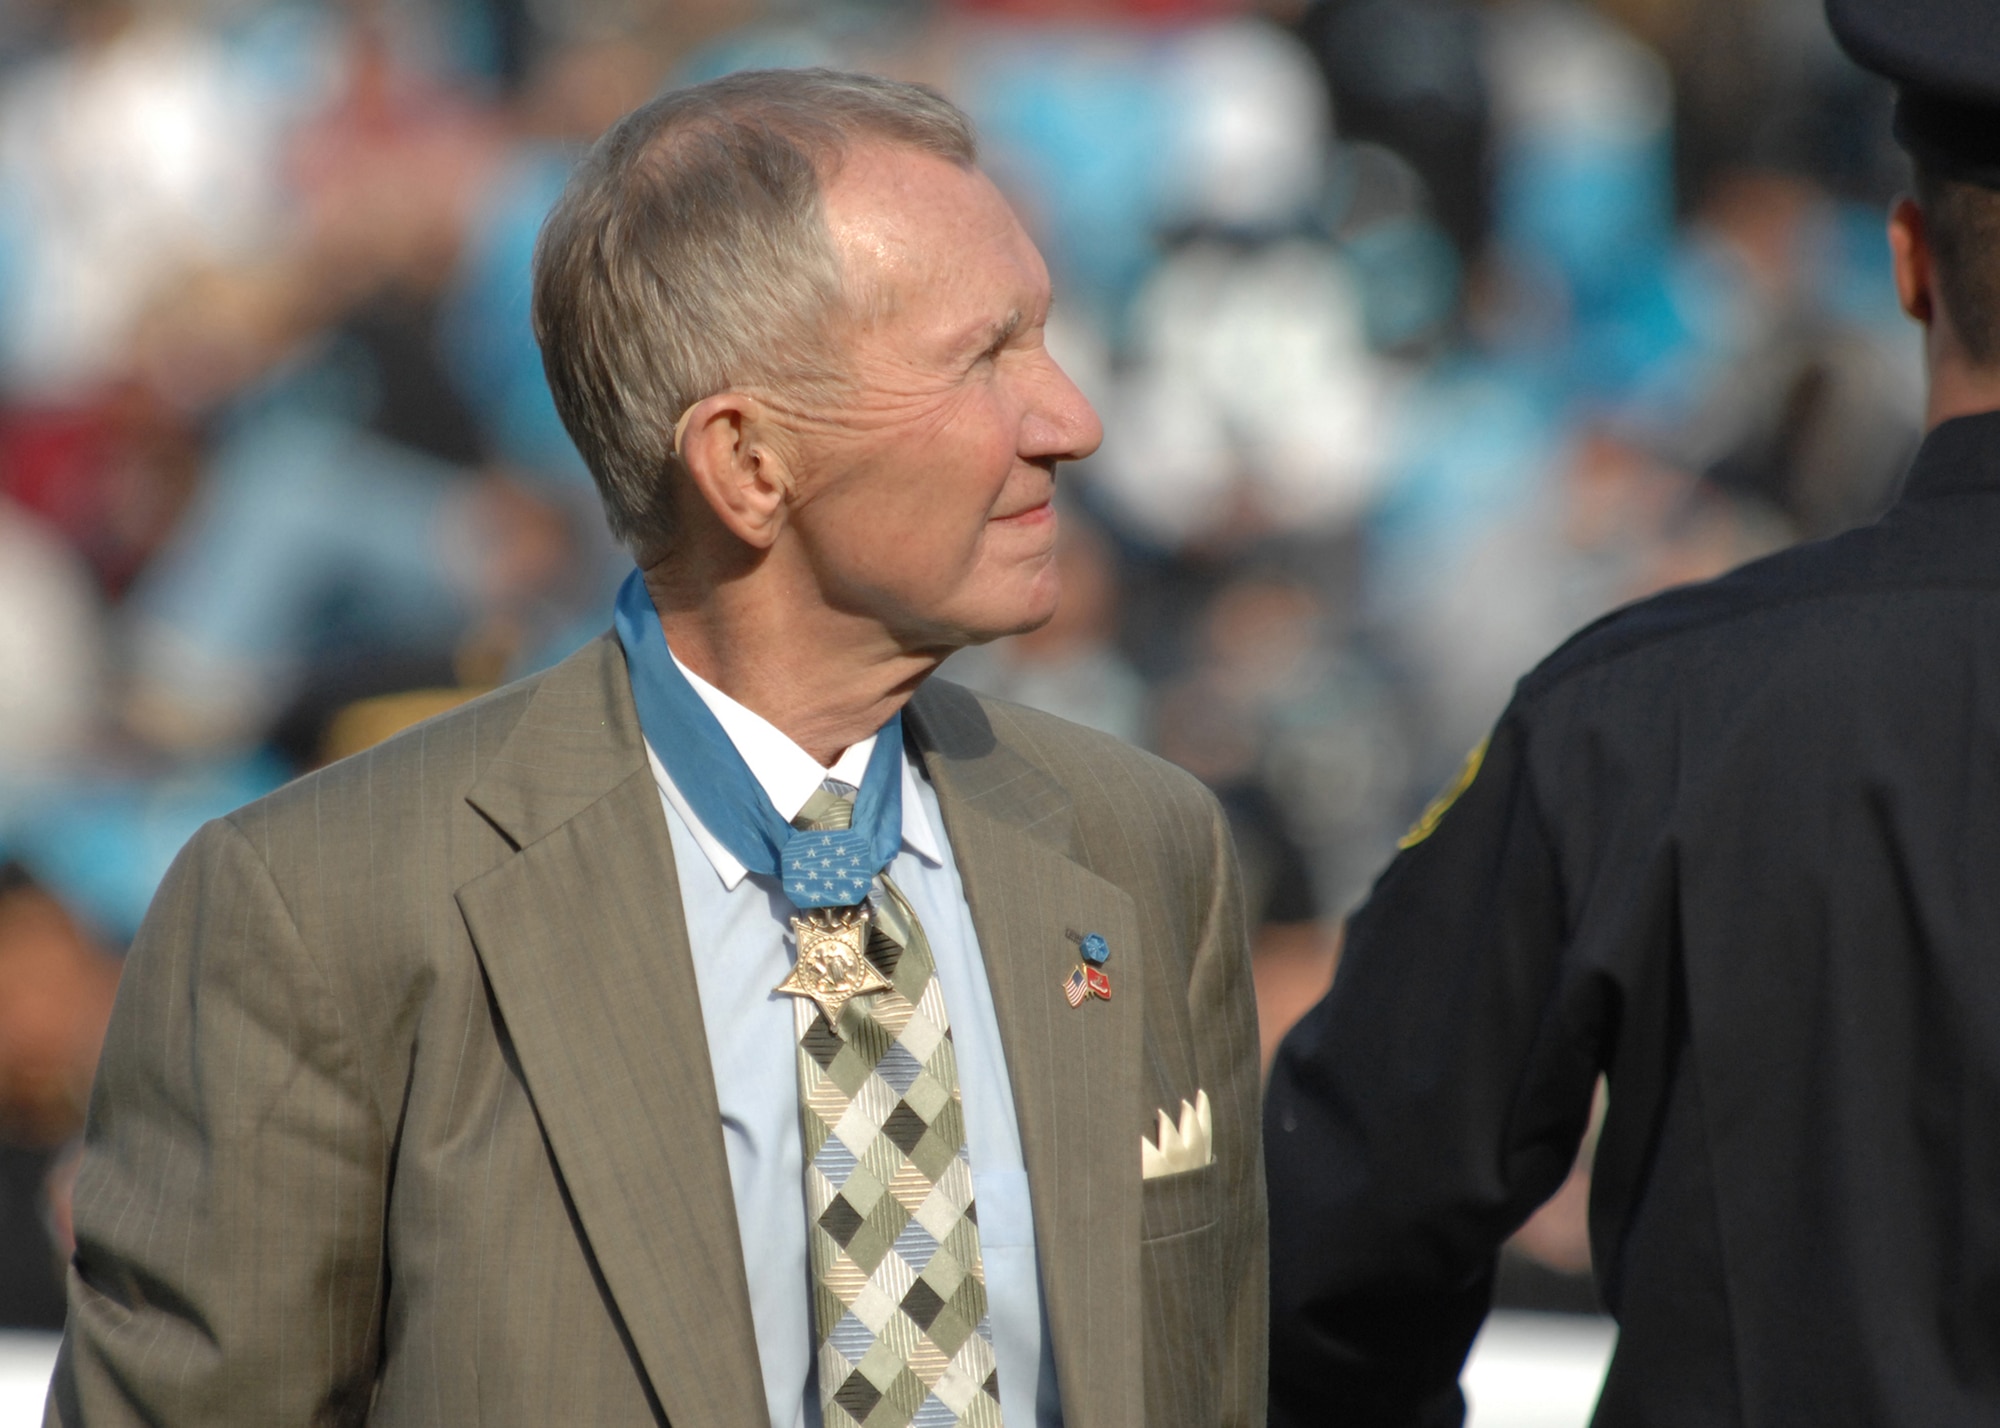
(1915, 267)
(734, 454)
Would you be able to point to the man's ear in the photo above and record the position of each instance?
(1910, 253)
(728, 443)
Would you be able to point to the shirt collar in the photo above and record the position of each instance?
(789, 776)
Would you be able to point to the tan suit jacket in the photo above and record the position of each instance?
(406, 1113)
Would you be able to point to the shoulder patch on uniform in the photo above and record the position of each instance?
(1427, 823)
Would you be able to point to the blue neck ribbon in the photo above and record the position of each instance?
(825, 868)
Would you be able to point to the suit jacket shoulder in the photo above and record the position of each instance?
(421, 771)
(1088, 794)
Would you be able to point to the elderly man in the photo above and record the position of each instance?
(726, 1026)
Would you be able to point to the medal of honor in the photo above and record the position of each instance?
(821, 869)
(833, 966)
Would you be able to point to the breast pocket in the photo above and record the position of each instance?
(1186, 1298)
(1180, 1204)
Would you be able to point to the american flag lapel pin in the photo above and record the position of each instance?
(1088, 978)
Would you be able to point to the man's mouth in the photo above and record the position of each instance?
(1030, 515)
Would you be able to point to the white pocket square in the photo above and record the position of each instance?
(1187, 1146)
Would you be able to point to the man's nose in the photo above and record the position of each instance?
(1061, 424)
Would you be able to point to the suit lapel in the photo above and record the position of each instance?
(581, 937)
(582, 940)
(1075, 1071)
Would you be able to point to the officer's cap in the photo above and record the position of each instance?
(1944, 58)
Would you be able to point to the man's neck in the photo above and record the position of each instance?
(825, 680)
(1957, 386)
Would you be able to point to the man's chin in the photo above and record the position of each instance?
(1025, 618)
(1017, 608)
(944, 642)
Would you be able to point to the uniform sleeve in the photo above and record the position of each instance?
(1422, 1111)
(229, 1207)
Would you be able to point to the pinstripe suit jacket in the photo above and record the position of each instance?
(406, 1115)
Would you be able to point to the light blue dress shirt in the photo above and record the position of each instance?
(738, 929)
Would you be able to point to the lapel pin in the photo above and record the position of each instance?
(1088, 978)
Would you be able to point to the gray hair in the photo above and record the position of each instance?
(690, 254)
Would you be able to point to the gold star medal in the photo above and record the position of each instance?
(833, 967)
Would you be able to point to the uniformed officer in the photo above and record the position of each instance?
(1737, 848)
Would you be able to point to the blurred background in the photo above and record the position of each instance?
(1424, 331)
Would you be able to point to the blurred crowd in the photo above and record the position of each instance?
(1423, 331)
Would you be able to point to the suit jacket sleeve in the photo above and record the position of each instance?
(1223, 1004)
(229, 1210)
(1420, 1113)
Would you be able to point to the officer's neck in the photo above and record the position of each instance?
(1960, 389)
(1959, 385)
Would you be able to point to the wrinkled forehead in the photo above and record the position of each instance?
(911, 227)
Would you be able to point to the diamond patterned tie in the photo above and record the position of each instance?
(899, 1293)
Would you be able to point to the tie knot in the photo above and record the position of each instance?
(830, 809)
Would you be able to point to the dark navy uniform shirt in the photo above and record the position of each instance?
(1738, 848)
